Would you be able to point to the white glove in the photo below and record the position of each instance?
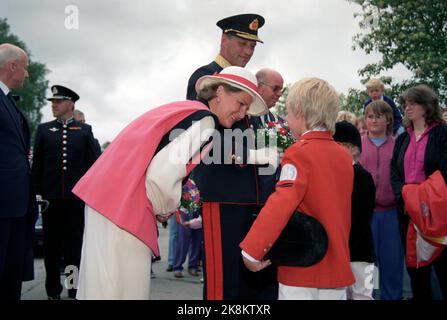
(194, 223)
(268, 156)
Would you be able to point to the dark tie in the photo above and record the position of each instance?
(266, 119)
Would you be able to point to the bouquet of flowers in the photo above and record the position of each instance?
(275, 134)
(190, 201)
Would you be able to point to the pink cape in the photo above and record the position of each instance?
(115, 184)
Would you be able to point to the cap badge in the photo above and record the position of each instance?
(254, 25)
(54, 90)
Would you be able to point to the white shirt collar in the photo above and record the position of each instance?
(4, 88)
(314, 129)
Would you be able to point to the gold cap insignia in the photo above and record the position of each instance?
(254, 25)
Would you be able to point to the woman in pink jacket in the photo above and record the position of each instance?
(138, 179)
(419, 152)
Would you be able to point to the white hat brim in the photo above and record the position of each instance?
(257, 107)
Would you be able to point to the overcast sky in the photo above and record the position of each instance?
(127, 57)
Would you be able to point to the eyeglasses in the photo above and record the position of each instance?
(274, 88)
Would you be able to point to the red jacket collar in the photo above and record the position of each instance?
(325, 135)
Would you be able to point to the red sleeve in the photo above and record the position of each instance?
(280, 206)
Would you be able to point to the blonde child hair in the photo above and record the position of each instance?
(344, 115)
(374, 84)
(317, 100)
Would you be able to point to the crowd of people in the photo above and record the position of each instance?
(309, 222)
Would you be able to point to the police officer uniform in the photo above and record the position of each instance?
(63, 152)
(231, 196)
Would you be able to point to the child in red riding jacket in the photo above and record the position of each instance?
(316, 180)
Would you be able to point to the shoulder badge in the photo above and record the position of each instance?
(288, 172)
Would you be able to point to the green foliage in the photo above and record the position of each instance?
(280, 107)
(412, 33)
(354, 101)
(32, 93)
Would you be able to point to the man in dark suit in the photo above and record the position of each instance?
(64, 150)
(270, 88)
(17, 201)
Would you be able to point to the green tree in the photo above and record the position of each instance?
(32, 93)
(353, 101)
(356, 98)
(412, 33)
(280, 107)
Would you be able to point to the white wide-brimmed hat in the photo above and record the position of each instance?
(240, 78)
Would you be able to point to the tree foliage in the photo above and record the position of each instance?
(412, 33)
(280, 106)
(32, 93)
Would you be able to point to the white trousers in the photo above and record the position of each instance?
(303, 293)
(363, 287)
(115, 265)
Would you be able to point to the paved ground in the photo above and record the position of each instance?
(163, 287)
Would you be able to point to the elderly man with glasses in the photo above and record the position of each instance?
(270, 88)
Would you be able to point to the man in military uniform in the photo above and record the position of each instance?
(231, 193)
(237, 45)
(64, 150)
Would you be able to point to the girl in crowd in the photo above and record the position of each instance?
(378, 145)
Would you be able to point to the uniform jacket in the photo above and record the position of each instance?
(62, 155)
(246, 190)
(231, 183)
(208, 69)
(115, 184)
(15, 172)
(317, 179)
